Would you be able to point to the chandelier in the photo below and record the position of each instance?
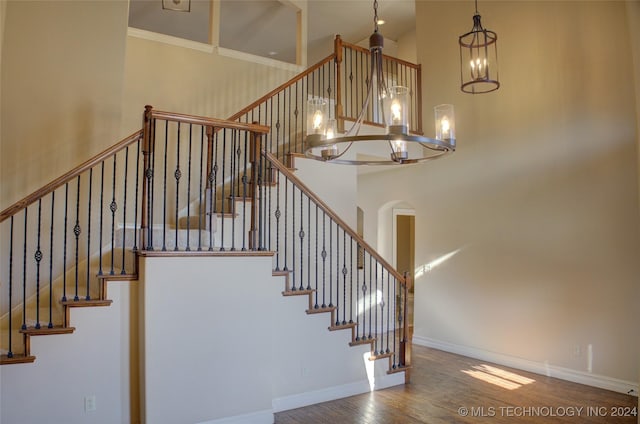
(323, 142)
(478, 59)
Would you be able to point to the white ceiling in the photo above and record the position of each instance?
(266, 26)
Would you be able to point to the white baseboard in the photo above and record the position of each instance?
(338, 392)
(581, 377)
(260, 417)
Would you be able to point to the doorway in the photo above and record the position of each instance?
(404, 240)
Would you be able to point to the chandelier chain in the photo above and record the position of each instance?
(375, 15)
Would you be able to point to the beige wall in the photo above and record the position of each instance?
(76, 84)
(541, 197)
(62, 68)
(190, 81)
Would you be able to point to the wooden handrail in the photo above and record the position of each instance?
(334, 216)
(384, 56)
(281, 87)
(65, 178)
(210, 122)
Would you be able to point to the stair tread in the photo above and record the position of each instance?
(321, 310)
(120, 277)
(44, 330)
(298, 292)
(374, 357)
(398, 369)
(83, 302)
(362, 341)
(16, 359)
(346, 326)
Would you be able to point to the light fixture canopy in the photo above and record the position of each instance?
(392, 107)
(478, 59)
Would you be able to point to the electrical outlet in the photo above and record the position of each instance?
(89, 403)
(577, 351)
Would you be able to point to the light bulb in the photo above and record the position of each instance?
(330, 134)
(396, 112)
(445, 126)
(317, 120)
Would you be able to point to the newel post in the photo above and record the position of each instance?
(255, 147)
(146, 242)
(407, 326)
(337, 46)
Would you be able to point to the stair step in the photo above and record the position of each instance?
(346, 326)
(398, 369)
(298, 292)
(86, 303)
(43, 331)
(16, 359)
(321, 310)
(374, 357)
(118, 277)
(362, 342)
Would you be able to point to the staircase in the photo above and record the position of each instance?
(186, 185)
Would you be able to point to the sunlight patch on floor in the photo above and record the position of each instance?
(497, 376)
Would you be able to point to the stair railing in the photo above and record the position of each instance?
(322, 255)
(60, 241)
(341, 78)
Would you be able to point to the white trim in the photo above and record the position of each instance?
(260, 417)
(543, 368)
(235, 54)
(168, 39)
(337, 392)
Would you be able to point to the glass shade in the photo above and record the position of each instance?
(396, 106)
(317, 117)
(445, 124)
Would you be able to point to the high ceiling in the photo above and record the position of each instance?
(268, 27)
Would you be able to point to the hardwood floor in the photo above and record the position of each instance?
(446, 388)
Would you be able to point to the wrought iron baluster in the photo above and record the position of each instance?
(351, 280)
(177, 175)
(101, 217)
(164, 187)
(10, 350)
(244, 194)
(370, 336)
(24, 273)
(309, 243)
(301, 234)
(222, 211)
(113, 207)
(200, 187)
(38, 258)
(344, 277)
(88, 259)
(293, 236)
(316, 293)
(53, 202)
(188, 247)
(376, 330)
(389, 304)
(324, 258)
(64, 243)
(330, 264)
(136, 204)
(76, 231)
(286, 221)
(233, 176)
(124, 210)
